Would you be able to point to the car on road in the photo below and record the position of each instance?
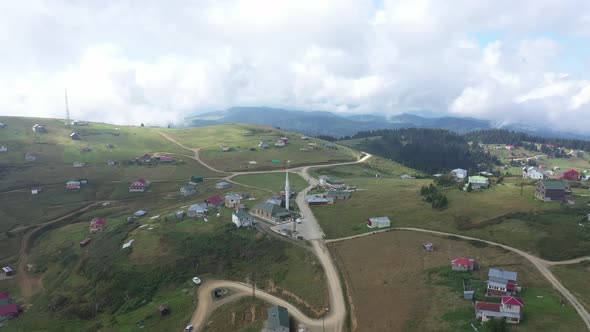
(299, 220)
(197, 280)
(188, 328)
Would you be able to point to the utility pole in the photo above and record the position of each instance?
(67, 108)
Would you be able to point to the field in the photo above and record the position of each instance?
(274, 182)
(499, 214)
(575, 278)
(397, 286)
(245, 315)
(245, 154)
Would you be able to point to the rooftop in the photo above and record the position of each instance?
(555, 185)
(513, 301)
(497, 273)
(277, 317)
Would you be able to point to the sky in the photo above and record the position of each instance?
(154, 62)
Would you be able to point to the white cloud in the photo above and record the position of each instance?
(157, 61)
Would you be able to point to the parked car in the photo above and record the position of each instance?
(188, 328)
(299, 220)
(197, 280)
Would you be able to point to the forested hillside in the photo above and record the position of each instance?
(503, 136)
(429, 150)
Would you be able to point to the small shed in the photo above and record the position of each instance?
(75, 136)
(36, 190)
(163, 310)
(378, 222)
(428, 246)
(222, 185)
(196, 179)
(111, 162)
(7, 271)
(140, 213)
(85, 242)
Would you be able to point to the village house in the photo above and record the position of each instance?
(428, 246)
(509, 309)
(36, 190)
(97, 225)
(188, 190)
(163, 310)
(378, 222)
(111, 162)
(197, 210)
(78, 123)
(9, 311)
(223, 185)
(278, 319)
(139, 186)
(140, 213)
(552, 191)
(30, 157)
(75, 136)
(477, 182)
(73, 185)
(85, 242)
(280, 143)
(533, 173)
(233, 201)
(241, 219)
(570, 174)
(318, 200)
(407, 177)
(39, 128)
(338, 194)
(3, 149)
(224, 148)
(459, 174)
(263, 145)
(501, 283)
(272, 212)
(2, 125)
(214, 202)
(7, 271)
(78, 164)
(463, 264)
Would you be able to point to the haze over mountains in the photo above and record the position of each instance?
(331, 124)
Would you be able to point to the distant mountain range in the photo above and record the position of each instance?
(330, 124)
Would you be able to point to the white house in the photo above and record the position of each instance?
(378, 222)
(478, 182)
(242, 219)
(197, 210)
(510, 309)
(459, 174)
(533, 173)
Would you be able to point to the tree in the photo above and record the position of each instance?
(469, 188)
(142, 124)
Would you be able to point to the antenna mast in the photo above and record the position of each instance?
(67, 108)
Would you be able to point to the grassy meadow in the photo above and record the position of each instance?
(499, 214)
(245, 315)
(575, 278)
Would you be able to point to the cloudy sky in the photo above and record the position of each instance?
(156, 61)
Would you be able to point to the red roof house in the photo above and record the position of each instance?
(463, 264)
(511, 300)
(9, 311)
(571, 174)
(138, 186)
(97, 225)
(214, 201)
(4, 296)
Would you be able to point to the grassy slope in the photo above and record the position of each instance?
(238, 317)
(480, 211)
(56, 252)
(575, 278)
(272, 181)
(406, 286)
(243, 137)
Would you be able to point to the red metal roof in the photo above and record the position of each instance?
(513, 301)
(99, 221)
(9, 309)
(214, 200)
(4, 296)
(462, 261)
(487, 306)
